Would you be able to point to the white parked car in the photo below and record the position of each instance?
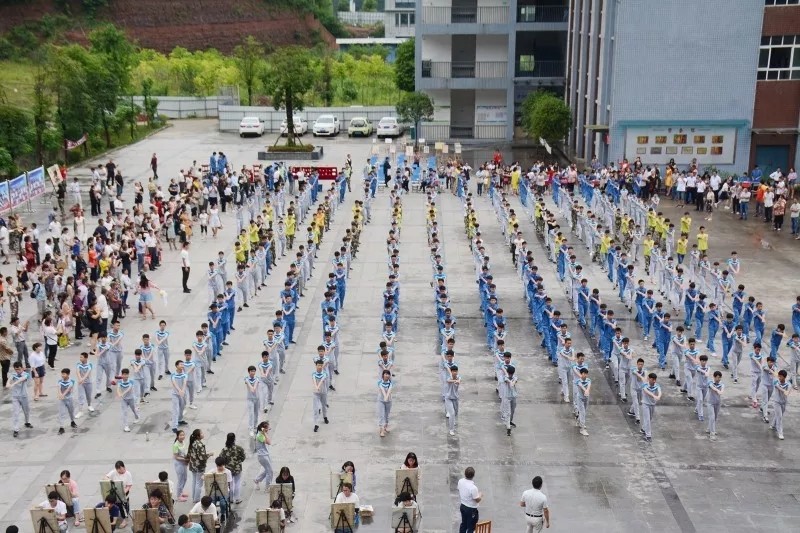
(250, 126)
(300, 125)
(326, 125)
(389, 127)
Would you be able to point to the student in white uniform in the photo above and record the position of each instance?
(384, 402)
(451, 398)
(252, 385)
(18, 382)
(84, 384)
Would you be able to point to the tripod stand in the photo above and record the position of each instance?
(404, 525)
(44, 526)
(216, 494)
(342, 524)
(406, 487)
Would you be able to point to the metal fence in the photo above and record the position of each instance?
(465, 15)
(230, 116)
(360, 18)
(188, 106)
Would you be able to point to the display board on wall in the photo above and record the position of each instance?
(659, 144)
(491, 114)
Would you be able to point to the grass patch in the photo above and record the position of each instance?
(17, 82)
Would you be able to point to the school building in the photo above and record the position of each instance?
(716, 81)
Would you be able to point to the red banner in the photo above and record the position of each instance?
(325, 173)
(71, 145)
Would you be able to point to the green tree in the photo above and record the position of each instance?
(16, 131)
(76, 110)
(249, 62)
(7, 166)
(369, 5)
(326, 79)
(116, 52)
(289, 76)
(415, 107)
(546, 116)
(404, 66)
(42, 110)
(150, 104)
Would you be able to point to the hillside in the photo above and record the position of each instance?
(192, 24)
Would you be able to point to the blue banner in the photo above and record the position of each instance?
(18, 191)
(5, 200)
(36, 185)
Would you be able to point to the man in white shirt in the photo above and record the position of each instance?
(185, 266)
(120, 473)
(470, 497)
(537, 514)
(52, 502)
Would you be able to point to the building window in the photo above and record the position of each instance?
(781, 2)
(779, 58)
(526, 63)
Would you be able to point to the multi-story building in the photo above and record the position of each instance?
(478, 59)
(400, 18)
(717, 82)
(777, 105)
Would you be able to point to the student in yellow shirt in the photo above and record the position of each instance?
(651, 219)
(244, 240)
(702, 241)
(238, 251)
(647, 245)
(253, 230)
(686, 223)
(269, 213)
(291, 227)
(681, 246)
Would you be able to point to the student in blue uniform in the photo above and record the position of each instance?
(252, 386)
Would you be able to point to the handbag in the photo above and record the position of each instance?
(63, 341)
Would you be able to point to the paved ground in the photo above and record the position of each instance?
(610, 481)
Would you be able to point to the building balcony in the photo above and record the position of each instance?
(463, 75)
(444, 131)
(464, 69)
(540, 14)
(540, 69)
(446, 15)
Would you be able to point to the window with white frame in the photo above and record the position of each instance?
(781, 2)
(779, 58)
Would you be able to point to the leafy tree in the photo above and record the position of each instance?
(404, 66)
(16, 131)
(249, 61)
(7, 166)
(150, 104)
(546, 115)
(415, 107)
(287, 80)
(76, 110)
(116, 52)
(42, 111)
(369, 5)
(327, 81)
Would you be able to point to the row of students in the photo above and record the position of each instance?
(701, 385)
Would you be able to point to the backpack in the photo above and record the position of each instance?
(34, 290)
